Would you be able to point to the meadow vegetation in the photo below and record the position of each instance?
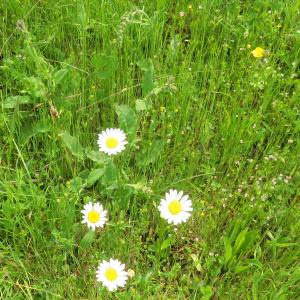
(201, 113)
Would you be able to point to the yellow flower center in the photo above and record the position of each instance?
(111, 142)
(175, 207)
(111, 274)
(93, 216)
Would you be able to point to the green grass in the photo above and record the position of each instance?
(202, 115)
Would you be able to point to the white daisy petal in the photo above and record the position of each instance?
(111, 274)
(112, 141)
(176, 207)
(94, 215)
(180, 195)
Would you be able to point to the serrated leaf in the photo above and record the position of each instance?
(14, 101)
(94, 176)
(72, 144)
(87, 240)
(151, 153)
(128, 120)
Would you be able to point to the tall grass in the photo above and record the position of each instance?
(202, 115)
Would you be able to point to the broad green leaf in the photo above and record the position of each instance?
(110, 174)
(84, 174)
(30, 130)
(87, 240)
(59, 76)
(148, 75)
(196, 262)
(235, 228)
(166, 244)
(150, 154)
(13, 101)
(240, 268)
(142, 105)
(250, 238)
(128, 120)
(94, 176)
(76, 184)
(35, 87)
(104, 66)
(72, 144)
(228, 250)
(255, 262)
(97, 156)
(240, 240)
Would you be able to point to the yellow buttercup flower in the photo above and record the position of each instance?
(259, 52)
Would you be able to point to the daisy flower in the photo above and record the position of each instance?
(94, 215)
(112, 274)
(112, 141)
(176, 207)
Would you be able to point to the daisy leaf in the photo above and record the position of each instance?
(87, 240)
(93, 177)
(128, 120)
(72, 144)
(14, 101)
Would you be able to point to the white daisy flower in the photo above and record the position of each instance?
(112, 274)
(112, 141)
(176, 207)
(94, 215)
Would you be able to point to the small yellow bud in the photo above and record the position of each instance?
(131, 273)
(259, 52)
